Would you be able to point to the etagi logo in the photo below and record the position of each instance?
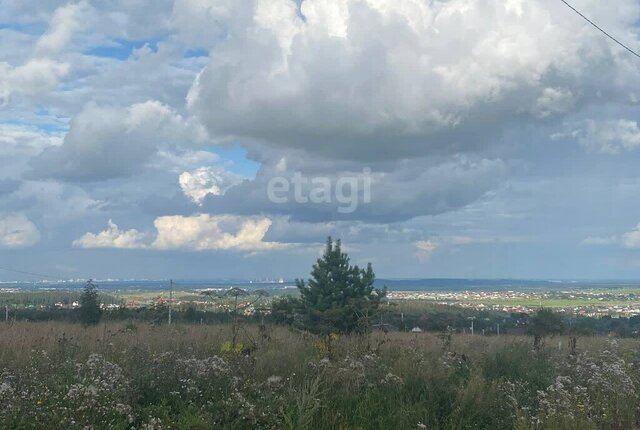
(348, 191)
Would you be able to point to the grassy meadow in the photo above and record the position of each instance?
(119, 375)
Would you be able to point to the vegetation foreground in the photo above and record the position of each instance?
(58, 375)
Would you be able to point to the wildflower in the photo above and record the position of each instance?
(391, 379)
(274, 380)
(6, 389)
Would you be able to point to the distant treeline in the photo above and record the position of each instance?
(153, 314)
(436, 318)
(440, 318)
(47, 298)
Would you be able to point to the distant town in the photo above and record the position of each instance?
(591, 303)
(615, 300)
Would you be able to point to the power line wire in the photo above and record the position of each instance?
(601, 30)
(28, 273)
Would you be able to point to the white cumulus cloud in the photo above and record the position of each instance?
(112, 237)
(204, 232)
(203, 181)
(393, 78)
(197, 233)
(43, 69)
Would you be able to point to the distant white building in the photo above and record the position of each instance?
(416, 330)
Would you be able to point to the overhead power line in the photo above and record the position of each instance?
(601, 30)
(23, 272)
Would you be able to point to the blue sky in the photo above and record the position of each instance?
(141, 140)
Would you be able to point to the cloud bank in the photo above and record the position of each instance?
(108, 142)
(196, 233)
(372, 80)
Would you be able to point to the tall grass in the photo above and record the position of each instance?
(62, 376)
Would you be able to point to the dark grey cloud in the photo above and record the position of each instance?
(403, 190)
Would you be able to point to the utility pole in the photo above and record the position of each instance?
(170, 298)
(6, 313)
(471, 318)
(498, 327)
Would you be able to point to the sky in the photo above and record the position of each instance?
(228, 139)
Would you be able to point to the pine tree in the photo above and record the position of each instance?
(544, 323)
(339, 297)
(90, 311)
